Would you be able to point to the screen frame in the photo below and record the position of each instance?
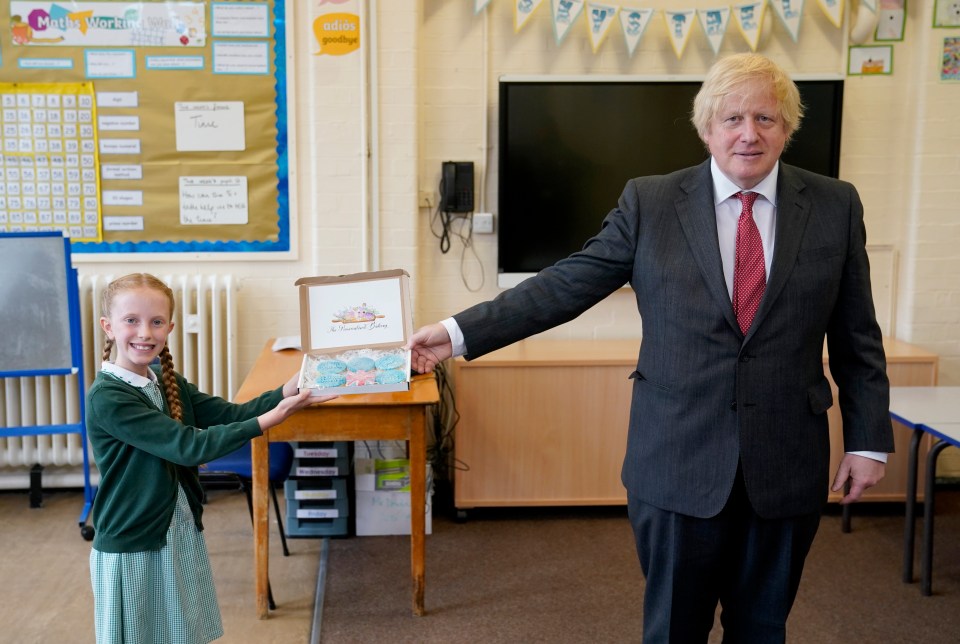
(507, 279)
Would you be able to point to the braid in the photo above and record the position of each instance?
(107, 348)
(170, 385)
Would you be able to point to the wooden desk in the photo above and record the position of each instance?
(383, 416)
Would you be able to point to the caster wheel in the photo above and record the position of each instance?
(87, 532)
(461, 516)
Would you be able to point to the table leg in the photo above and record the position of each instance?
(910, 506)
(260, 463)
(926, 553)
(418, 495)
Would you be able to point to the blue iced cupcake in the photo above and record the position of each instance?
(331, 366)
(391, 361)
(391, 377)
(331, 380)
(362, 364)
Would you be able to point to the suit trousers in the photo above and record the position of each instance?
(751, 566)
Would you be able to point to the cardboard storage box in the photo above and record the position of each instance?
(352, 330)
(385, 511)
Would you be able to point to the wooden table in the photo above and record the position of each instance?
(382, 416)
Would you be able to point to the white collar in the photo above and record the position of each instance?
(128, 376)
(724, 188)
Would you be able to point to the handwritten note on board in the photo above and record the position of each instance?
(209, 126)
(213, 200)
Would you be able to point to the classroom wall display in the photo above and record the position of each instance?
(184, 133)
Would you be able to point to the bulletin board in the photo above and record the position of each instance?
(177, 115)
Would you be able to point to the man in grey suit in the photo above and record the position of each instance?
(728, 445)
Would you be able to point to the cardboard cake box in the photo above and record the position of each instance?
(352, 330)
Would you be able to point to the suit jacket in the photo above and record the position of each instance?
(705, 397)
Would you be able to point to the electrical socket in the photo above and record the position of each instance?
(483, 222)
(426, 199)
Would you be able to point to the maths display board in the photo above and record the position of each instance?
(147, 126)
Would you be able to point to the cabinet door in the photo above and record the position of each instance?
(541, 435)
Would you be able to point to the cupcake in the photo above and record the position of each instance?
(362, 364)
(391, 377)
(391, 361)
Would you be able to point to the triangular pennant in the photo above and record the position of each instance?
(679, 26)
(599, 19)
(634, 23)
(714, 23)
(749, 18)
(480, 5)
(565, 13)
(522, 10)
(789, 12)
(834, 11)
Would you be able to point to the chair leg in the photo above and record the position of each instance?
(249, 494)
(276, 506)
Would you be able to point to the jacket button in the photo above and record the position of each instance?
(733, 406)
(745, 358)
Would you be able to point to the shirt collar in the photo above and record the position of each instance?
(723, 188)
(128, 376)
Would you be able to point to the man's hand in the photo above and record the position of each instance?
(862, 472)
(429, 346)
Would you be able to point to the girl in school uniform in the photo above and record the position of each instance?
(150, 429)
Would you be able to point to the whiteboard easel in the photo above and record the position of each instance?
(40, 329)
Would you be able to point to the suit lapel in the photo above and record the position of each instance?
(793, 210)
(698, 219)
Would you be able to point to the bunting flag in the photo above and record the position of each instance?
(679, 26)
(522, 10)
(714, 23)
(834, 11)
(790, 12)
(634, 23)
(749, 18)
(479, 5)
(565, 13)
(599, 19)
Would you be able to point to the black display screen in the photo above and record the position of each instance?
(567, 149)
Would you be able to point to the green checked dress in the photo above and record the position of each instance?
(162, 596)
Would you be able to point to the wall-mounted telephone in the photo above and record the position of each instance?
(456, 186)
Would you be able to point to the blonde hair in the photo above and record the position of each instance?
(730, 73)
(145, 280)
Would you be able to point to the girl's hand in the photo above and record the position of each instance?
(291, 387)
(286, 407)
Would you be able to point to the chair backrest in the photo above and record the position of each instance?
(239, 462)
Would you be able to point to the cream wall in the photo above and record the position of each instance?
(428, 82)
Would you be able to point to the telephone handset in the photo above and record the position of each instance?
(456, 186)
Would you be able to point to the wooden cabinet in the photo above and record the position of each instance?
(544, 422)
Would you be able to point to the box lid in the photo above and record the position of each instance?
(361, 310)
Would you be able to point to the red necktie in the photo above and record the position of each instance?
(749, 273)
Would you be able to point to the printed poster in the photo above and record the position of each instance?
(108, 24)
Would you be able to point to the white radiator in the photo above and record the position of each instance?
(203, 345)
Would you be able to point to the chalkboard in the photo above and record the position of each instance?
(37, 289)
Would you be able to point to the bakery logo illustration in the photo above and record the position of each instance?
(358, 318)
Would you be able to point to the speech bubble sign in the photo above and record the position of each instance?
(337, 33)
